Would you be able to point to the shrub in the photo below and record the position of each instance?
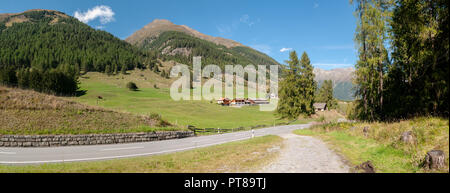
(132, 86)
(155, 116)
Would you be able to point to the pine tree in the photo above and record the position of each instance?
(371, 36)
(309, 85)
(297, 88)
(418, 79)
(325, 94)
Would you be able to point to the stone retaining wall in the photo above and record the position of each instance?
(88, 139)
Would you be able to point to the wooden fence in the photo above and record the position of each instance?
(219, 130)
(214, 130)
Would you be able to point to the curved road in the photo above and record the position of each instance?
(113, 151)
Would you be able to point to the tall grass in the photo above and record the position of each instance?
(382, 144)
(26, 112)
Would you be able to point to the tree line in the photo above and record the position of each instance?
(50, 49)
(403, 64)
(52, 81)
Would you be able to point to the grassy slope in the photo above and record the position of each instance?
(383, 146)
(29, 112)
(149, 100)
(230, 157)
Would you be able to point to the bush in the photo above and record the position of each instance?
(155, 116)
(132, 86)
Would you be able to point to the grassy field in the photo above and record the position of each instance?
(241, 156)
(382, 145)
(151, 100)
(25, 112)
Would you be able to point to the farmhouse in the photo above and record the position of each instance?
(320, 106)
(223, 101)
(238, 102)
(241, 102)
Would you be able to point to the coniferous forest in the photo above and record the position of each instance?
(211, 53)
(403, 66)
(54, 44)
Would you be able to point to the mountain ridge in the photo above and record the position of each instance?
(157, 26)
(342, 81)
(180, 43)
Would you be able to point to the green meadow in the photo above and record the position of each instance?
(147, 100)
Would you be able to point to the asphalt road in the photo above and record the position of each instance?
(18, 156)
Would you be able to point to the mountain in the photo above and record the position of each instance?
(47, 39)
(180, 43)
(342, 81)
(158, 26)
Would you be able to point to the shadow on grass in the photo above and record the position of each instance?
(79, 93)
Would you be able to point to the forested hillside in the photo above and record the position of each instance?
(46, 50)
(181, 43)
(44, 39)
(182, 47)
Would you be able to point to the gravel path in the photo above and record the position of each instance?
(303, 154)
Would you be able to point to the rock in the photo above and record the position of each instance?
(366, 167)
(366, 131)
(434, 159)
(407, 137)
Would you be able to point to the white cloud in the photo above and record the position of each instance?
(316, 5)
(224, 30)
(285, 49)
(246, 20)
(105, 13)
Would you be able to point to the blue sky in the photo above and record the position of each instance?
(322, 28)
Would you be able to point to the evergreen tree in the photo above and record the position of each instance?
(297, 88)
(308, 83)
(325, 94)
(414, 81)
(419, 77)
(371, 36)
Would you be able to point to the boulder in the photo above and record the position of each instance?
(407, 137)
(366, 167)
(434, 159)
(366, 131)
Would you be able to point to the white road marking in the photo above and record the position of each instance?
(114, 157)
(199, 141)
(7, 152)
(124, 148)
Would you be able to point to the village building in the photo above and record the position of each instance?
(224, 101)
(241, 102)
(320, 106)
(238, 102)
